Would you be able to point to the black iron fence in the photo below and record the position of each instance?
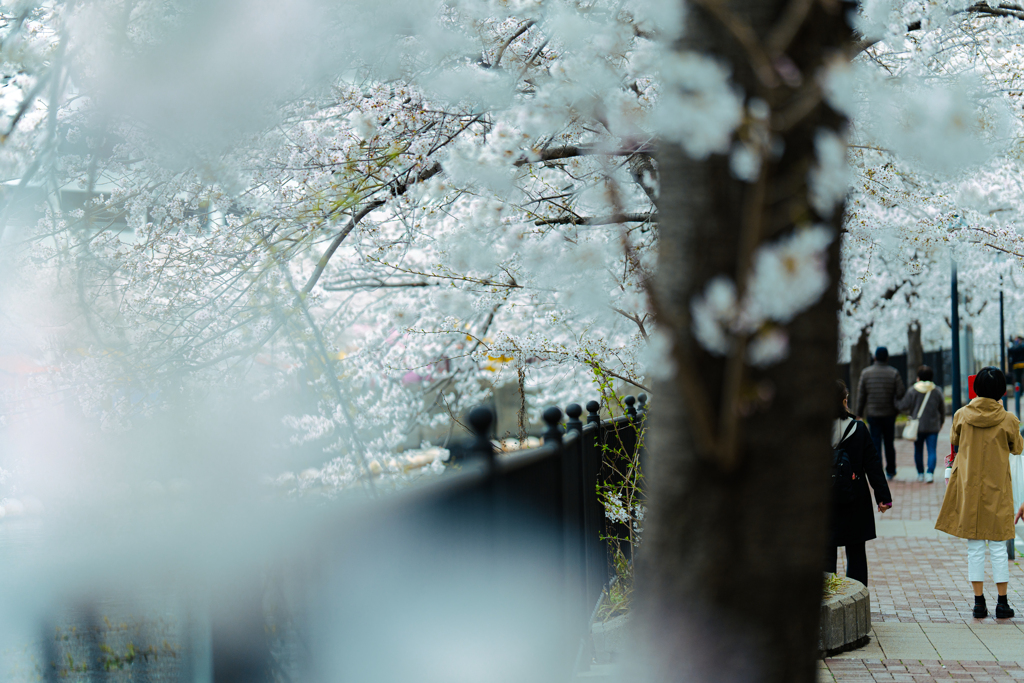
(502, 561)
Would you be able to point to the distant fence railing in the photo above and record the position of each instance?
(505, 547)
(938, 361)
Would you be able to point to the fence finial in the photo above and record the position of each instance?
(630, 402)
(480, 420)
(574, 411)
(552, 417)
(642, 404)
(593, 410)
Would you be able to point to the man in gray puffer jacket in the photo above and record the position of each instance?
(925, 399)
(879, 388)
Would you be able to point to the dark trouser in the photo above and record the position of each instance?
(856, 562)
(884, 428)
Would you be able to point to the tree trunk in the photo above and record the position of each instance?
(731, 577)
(915, 352)
(860, 358)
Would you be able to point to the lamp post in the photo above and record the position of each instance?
(1002, 337)
(1011, 550)
(955, 323)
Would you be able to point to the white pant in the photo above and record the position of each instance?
(976, 560)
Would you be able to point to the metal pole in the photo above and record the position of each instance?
(1011, 551)
(1002, 337)
(954, 298)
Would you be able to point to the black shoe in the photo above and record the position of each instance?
(980, 610)
(1004, 611)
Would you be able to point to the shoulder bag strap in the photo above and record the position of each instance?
(920, 411)
(846, 432)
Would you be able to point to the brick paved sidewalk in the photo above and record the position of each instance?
(920, 670)
(921, 599)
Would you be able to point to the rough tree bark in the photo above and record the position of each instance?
(915, 352)
(860, 358)
(731, 579)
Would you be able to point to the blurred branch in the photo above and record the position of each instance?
(783, 33)
(600, 220)
(570, 151)
(742, 33)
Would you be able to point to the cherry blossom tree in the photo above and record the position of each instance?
(386, 239)
(915, 204)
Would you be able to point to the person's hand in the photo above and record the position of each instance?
(1020, 515)
(882, 507)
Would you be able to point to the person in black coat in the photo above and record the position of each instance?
(852, 520)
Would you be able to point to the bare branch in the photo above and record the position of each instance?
(501, 50)
(600, 220)
(396, 190)
(570, 151)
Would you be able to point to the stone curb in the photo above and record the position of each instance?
(612, 639)
(845, 619)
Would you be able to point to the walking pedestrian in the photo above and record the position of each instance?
(978, 504)
(855, 464)
(925, 403)
(879, 388)
(1015, 356)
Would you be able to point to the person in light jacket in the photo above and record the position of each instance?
(978, 504)
(852, 521)
(926, 399)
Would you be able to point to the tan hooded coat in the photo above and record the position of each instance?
(979, 498)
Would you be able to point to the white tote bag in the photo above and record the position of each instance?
(910, 429)
(1017, 479)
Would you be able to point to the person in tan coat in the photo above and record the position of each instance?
(978, 504)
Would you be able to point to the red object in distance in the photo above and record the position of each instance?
(970, 388)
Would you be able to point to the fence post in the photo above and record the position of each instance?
(480, 420)
(630, 402)
(490, 506)
(240, 651)
(577, 474)
(573, 529)
(573, 411)
(642, 407)
(597, 548)
(552, 417)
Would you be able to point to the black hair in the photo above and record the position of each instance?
(881, 353)
(842, 393)
(925, 373)
(990, 382)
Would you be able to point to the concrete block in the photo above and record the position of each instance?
(845, 618)
(822, 620)
(848, 606)
(833, 624)
(612, 638)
